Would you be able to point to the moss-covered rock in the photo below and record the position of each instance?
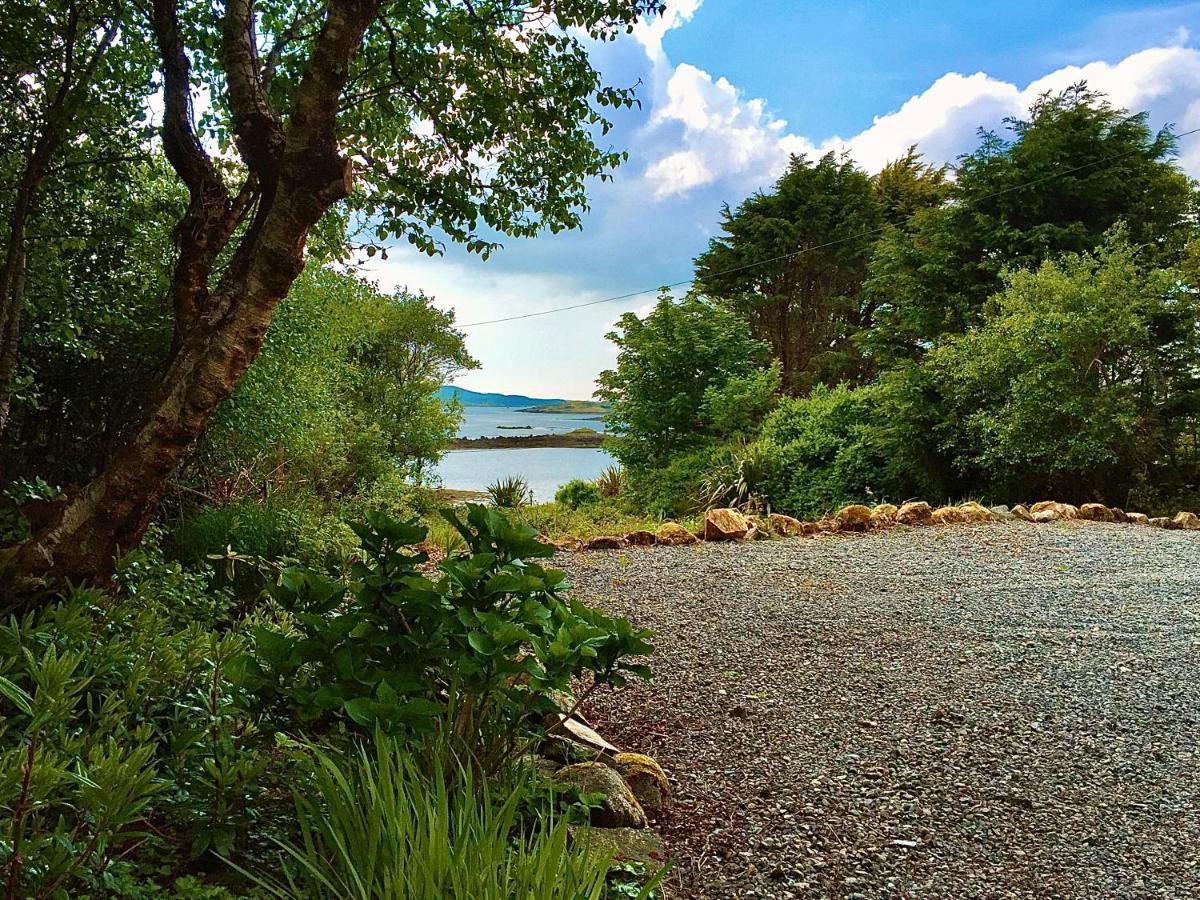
(618, 807)
(645, 778)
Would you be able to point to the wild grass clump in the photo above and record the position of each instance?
(611, 482)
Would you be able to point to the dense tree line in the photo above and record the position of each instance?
(1025, 324)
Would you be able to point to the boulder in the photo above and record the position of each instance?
(618, 807)
(1050, 511)
(641, 539)
(884, 515)
(621, 845)
(672, 534)
(1119, 515)
(604, 542)
(1095, 512)
(1188, 521)
(565, 545)
(1001, 511)
(947, 515)
(645, 778)
(810, 529)
(828, 526)
(784, 525)
(1161, 522)
(1021, 511)
(725, 525)
(916, 513)
(1137, 518)
(854, 517)
(975, 512)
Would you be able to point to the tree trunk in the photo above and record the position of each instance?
(218, 334)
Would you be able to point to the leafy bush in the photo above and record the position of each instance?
(826, 451)
(511, 492)
(298, 527)
(115, 707)
(577, 493)
(676, 488)
(473, 654)
(377, 824)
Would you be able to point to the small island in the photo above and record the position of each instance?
(580, 437)
(591, 408)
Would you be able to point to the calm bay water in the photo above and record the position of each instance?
(545, 468)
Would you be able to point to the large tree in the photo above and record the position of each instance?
(434, 119)
(1065, 175)
(792, 261)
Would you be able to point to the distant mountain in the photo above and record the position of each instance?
(475, 398)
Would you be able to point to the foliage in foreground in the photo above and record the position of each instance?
(376, 825)
(495, 621)
(142, 733)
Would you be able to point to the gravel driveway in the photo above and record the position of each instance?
(976, 711)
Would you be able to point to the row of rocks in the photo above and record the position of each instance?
(733, 525)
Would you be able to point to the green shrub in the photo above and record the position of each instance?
(826, 451)
(473, 654)
(511, 492)
(114, 708)
(677, 488)
(377, 825)
(295, 527)
(577, 493)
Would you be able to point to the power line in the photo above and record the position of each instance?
(812, 249)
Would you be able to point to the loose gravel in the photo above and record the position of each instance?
(977, 711)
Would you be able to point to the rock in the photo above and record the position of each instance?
(1138, 518)
(1188, 521)
(618, 808)
(1050, 511)
(854, 517)
(641, 539)
(1119, 515)
(884, 515)
(916, 513)
(828, 526)
(672, 534)
(784, 525)
(975, 512)
(947, 515)
(628, 845)
(1001, 512)
(645, 778)
(810, 529)
(1095, 512)
(604, 542)
(566, 545)
(725, 525)
(1161, 522)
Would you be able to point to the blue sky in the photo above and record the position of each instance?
(731, 88)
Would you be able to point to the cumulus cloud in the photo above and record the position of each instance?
(724, 134)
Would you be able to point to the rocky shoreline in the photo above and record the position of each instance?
(582, 437)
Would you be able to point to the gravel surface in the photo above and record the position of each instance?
(977, 711)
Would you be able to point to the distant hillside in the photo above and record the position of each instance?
(475, 398)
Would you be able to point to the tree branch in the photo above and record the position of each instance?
(255, 125)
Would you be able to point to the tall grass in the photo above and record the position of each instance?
(375, 826)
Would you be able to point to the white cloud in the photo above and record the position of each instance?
(724, 134)
(650, 32)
